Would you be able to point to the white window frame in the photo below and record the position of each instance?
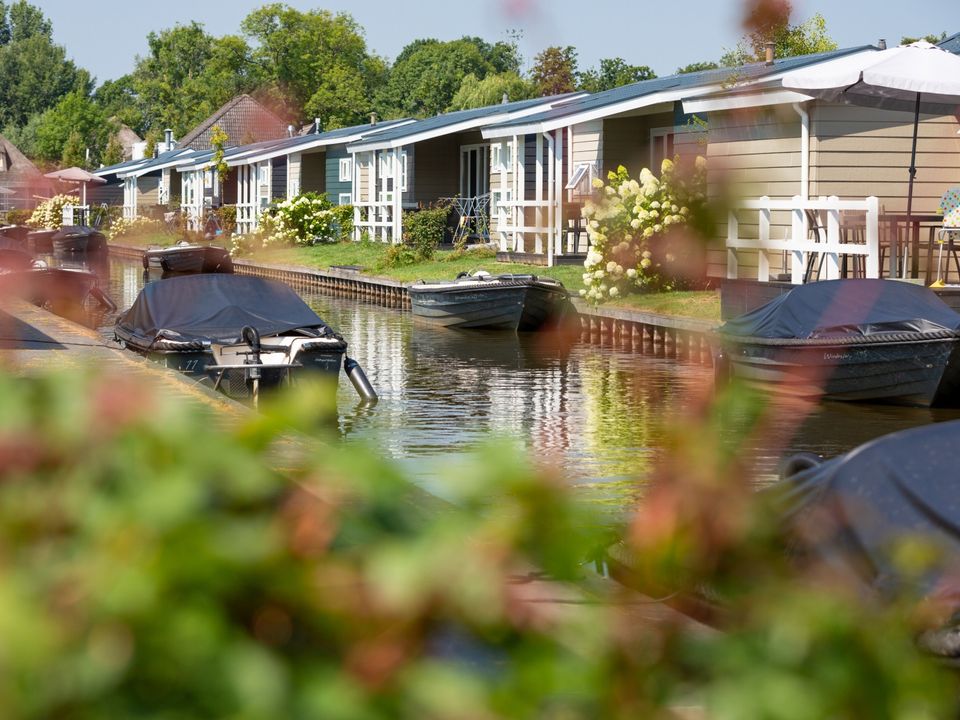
(497, 196)
(208, 179)
(501, 156)
(344, 199)
(346, 169)
(402, 183)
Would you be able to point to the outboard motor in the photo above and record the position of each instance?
(251, 337)
(359, 379)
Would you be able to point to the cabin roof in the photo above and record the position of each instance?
(239, 117)
(647, 92)
(457, 121)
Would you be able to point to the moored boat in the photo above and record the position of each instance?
(853, 340)
(41, 241)
(232, 330)
(187, 258)
(501, 302)
(78, 239)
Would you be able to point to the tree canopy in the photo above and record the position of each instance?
(427, 74)
(612, 73)
(769, 21)
(474, 92)
(555, 71)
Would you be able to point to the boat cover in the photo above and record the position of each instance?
(903, 485)
(846, 307)
(215, 308)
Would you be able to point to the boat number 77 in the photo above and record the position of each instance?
(191, 365)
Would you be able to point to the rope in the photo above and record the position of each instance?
(876, 339)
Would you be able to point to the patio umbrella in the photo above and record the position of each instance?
(918, 78)
(76, 175)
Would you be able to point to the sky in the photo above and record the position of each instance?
(105, 36)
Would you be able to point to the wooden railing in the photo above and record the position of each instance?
(798, 244)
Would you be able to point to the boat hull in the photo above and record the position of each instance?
(234, 382)
(40, 241)
(57, 287)
(93, 242)
(188, 260)
(910, 370)
(489, 305)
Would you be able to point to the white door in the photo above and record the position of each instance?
(474, 170)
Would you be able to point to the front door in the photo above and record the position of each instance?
(474, 170)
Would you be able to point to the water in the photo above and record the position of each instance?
(599, 415)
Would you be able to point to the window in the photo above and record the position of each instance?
(661, 147)
(343, 199)
(403, 171)
(498, 211)
(580, 172)
(208, 179)
(346, 169)
(501, 156)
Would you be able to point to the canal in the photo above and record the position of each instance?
(600, 415)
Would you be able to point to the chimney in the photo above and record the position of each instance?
(168, 139)
(768, 52)
(316, 125)
(290, 130)
(882, 43)
(505, 99)
(373, 118)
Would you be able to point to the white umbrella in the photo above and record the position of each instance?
(76, 175)
(919, 77)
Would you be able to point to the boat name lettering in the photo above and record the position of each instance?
(836, 356)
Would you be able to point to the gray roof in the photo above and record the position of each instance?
(439, 122)
(677, 82)
(952, 44)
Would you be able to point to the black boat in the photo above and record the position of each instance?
(856, 511)
(185, 258)
(231, 329)
(15, 232)
(501, 302)
(63, 290)
(41, 241)
(855, 340)
(79, 239)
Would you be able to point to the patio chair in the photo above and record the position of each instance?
(853, 229)
(949, 231)
(819, 232)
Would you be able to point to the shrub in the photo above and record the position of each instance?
(423, 230)
(304, 220)
(49, 213)
(643, 233)
(134, 227)
(343, 222)
(228, 219)
(19, 217)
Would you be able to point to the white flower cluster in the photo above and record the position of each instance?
(49, 213)
(622, 223)
(122, 227)
(302, 220)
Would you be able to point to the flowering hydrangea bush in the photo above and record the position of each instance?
(131, 227)
(304, 220)
(49, 213)
(634, 229)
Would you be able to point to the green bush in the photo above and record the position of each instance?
(155, 565)
(423, 230)
(307, 219)
(342, 222)
(18, 217)
(228, 219)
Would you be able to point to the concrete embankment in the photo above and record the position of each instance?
(629, 330)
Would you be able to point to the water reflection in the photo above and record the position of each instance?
(598, 413)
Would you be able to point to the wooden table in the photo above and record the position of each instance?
(911, 245)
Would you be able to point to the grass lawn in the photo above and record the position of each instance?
(702, 305)
(160, 238)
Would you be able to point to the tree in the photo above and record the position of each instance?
(428, 73)
(185, 76)
(474, 92)
(219, 139)
(74, 151)
(302, 54)
(697, 67)
(769, 21)
(933, 39)
(555, 71)
(113, 153)
(119, 100)
(612, 73)
(75, 113)
(34, 72)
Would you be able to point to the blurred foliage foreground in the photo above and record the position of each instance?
(153, 565)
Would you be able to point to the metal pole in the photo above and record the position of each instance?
(913, 159)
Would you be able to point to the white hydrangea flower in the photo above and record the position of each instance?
(597, 183)
(614, 292)
(647, 254)
(635, 224)
(645, 263)
(632, 273)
